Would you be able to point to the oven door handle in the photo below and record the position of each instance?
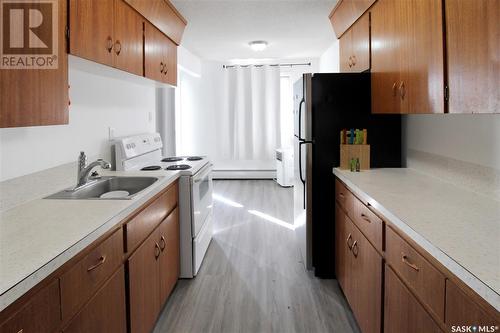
(207, 171)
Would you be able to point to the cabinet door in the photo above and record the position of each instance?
(155, 54)
(422, 83)
(345, 45)
(402, 312)
(385, 56)
(41, 314)
(144, 298)
(91, 30)
(171, 60)
(366, 279)
(473, 46)
(106, 310)
(343, 255)
(361, 44)
(170, 258)
(37, 97)
(128, 39)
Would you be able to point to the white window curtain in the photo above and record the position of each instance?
(248, 128)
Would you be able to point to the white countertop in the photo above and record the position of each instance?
(40, 235)
(458, 227)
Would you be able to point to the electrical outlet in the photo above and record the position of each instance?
(111, 133)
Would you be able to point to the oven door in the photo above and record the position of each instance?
(202, 185)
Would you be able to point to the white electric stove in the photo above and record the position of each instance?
(143, 153)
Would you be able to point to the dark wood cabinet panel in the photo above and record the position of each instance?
(402, 311)
(163, 15)
(423, 278)
(385, 57)
(345, 51)
(407, 57)
(366, 279)
(342, 251)
(91, 30)
(41, 314)
(169, 260)
(106, 311)
(82, 280)
(473, 46)
(37, 97)
(360, 44)
(462, 311)
(128, 39)
(160, 56)
(141, 225)
(143, 283)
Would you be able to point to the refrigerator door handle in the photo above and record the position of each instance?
(303, 101)
(302, 142)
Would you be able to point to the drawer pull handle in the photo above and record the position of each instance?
(366, 218)
(404, 258)
(341, 195)
(109, 44)
(162, 243)
(21, 330)
(101, 261)
(349, 244)
(355, 246)
(157, 250)
(118, 47)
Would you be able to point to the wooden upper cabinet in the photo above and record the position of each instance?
(345, 52)
(160, 56)
(385, 56)
(163, 15)
(108, 32)
(346, 12)
(355, 46)
(407, 57)
(37, 97)
(91, 30)
(128, 46)
(473, 48)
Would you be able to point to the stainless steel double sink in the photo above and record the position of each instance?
(107, 188)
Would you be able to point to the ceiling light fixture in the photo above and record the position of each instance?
(258, 45)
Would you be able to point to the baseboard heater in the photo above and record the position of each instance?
(243, 174)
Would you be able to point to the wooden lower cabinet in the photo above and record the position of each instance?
(359, 268)
(402, 311)
(153, 270)
(462, 311)
(143, 281)
(170, 259)
(40, 314)
(106, 311)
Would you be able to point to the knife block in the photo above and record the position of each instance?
(355, 151)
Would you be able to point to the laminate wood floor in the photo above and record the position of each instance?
(252, 278)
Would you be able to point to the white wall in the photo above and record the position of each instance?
(100, 97)
(470, 138)
(329, 60)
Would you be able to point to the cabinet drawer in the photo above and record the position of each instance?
(369, 223)
(402, 312)
(41, 314)
(83, 279)
(461, 310)
(343, 196)
(137, 229)
(420, 276)
(106, 311)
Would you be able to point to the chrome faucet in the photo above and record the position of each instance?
(84, 170)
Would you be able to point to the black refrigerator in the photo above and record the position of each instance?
(324, 104)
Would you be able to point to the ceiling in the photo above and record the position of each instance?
(221, 30)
